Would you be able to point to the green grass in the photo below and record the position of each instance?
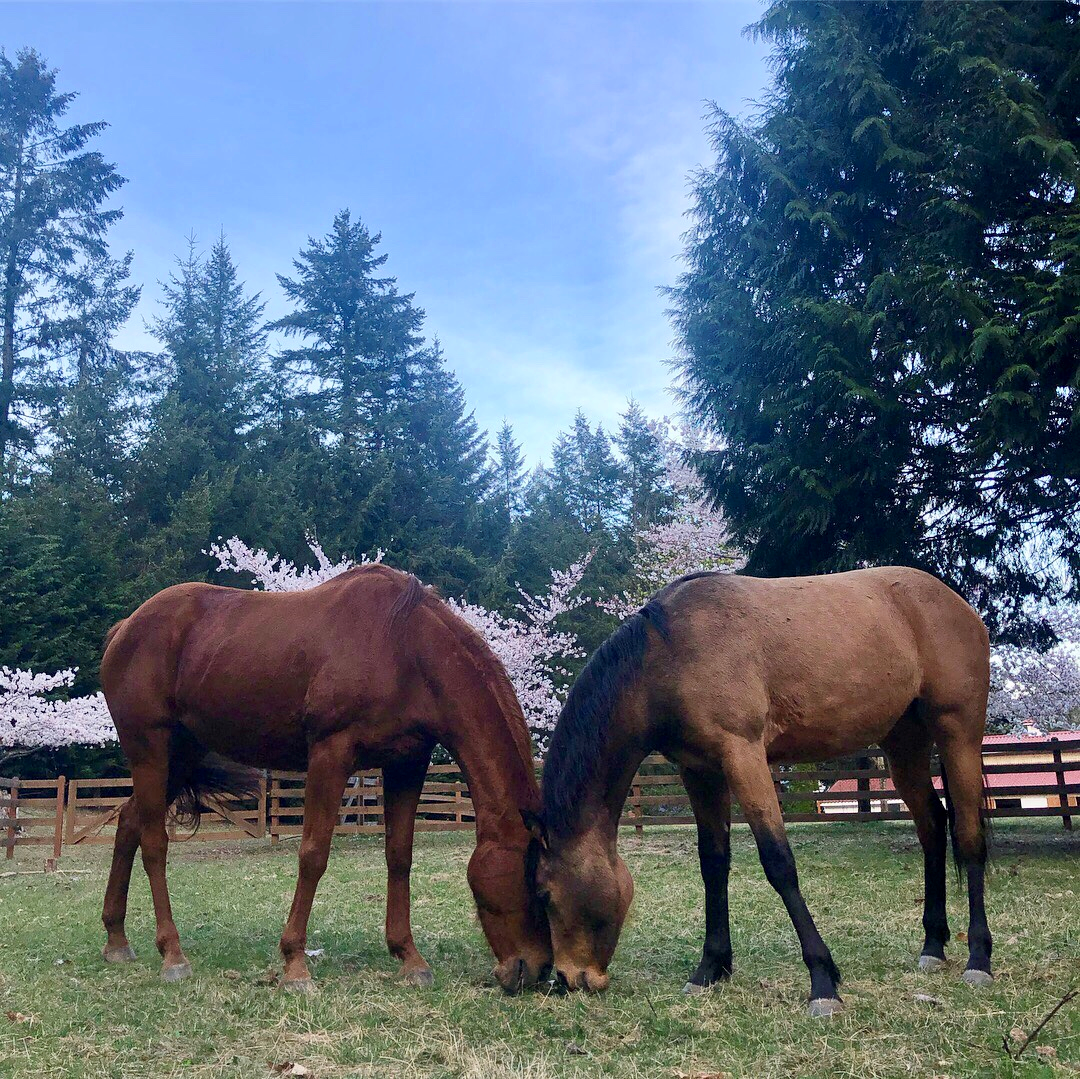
(863, 883)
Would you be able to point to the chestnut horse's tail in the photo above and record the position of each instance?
(213, 775)
(112, 631)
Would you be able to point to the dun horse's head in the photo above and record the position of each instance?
(515, 927)
(585, 889)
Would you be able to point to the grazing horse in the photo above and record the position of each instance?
(370, 669)
(724, 674)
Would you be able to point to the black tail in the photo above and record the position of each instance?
(984, 817)
(211, 776)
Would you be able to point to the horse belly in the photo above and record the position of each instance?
(250, 740)
(838, 723)
(245, 707)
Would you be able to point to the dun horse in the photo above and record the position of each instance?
(369, 669)
(724, 674)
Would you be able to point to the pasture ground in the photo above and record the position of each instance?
(64, 1013)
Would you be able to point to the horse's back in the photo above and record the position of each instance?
(247, 672)
(820, 664)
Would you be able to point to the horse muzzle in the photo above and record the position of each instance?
(591, 981)
(517, 974)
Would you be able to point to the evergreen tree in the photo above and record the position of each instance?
(509, 469)
(359, 334)
(880, 315)
(190, 480)
(99, 389)
(585, 475)
(642, 468)
(51, 194)
(380, 425)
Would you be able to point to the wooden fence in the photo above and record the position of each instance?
(32, 814)
(1037, 781)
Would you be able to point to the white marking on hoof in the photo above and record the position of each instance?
(691, 989)
(422, 978)
(930, 963)
(176, 973)
(118, 953)
(823, 1007)
(977, 978)
(299, 985)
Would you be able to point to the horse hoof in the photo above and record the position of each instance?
(118, 953)
(823, 1007)
(930, 963)
(692, 989)
(176, 973)
(423, 978)
(980, 979)
(299, 985)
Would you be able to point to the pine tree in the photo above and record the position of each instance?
(51, 194)
(509, 469)
(98, 388)
(585, 475)
(359, 334)
(642, 468)
(189, 473)
(880, 315)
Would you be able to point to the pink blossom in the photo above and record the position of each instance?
(695, 539)
(30, 720)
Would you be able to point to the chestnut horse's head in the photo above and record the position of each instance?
(585, 889)
(515, 927)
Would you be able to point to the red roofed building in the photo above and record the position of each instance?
(1024, 786)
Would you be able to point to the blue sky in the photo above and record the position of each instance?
(526, 164)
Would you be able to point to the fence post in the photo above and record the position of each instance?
(638, 810)
(862, 783)
(457, 804)
(13, 812)
(1063, 794)
(58, 824)
(261, 810)
(275, 806)
(69, 813)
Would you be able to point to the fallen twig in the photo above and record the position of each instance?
(1046, 1019)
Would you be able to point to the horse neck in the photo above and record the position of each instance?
(630, 739)
(486, 735)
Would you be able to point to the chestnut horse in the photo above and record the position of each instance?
(369, 669)
(724, 674)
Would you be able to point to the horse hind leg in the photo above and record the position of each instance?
(960, 744)
(161, 763)
(114, 909)
(909, 749)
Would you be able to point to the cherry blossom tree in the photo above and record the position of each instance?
(1038, 691)
(32, 719)
(528, 642)
(694, 538)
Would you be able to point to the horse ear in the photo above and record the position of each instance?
(534, 825)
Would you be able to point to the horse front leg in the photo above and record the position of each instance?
(329, 767)
(402, 785)
(710, 798)
(747, 770)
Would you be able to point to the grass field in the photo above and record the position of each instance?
(69, 1015)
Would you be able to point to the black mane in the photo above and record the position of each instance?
(580, 737)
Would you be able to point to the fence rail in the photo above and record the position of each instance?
(1037, 781)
